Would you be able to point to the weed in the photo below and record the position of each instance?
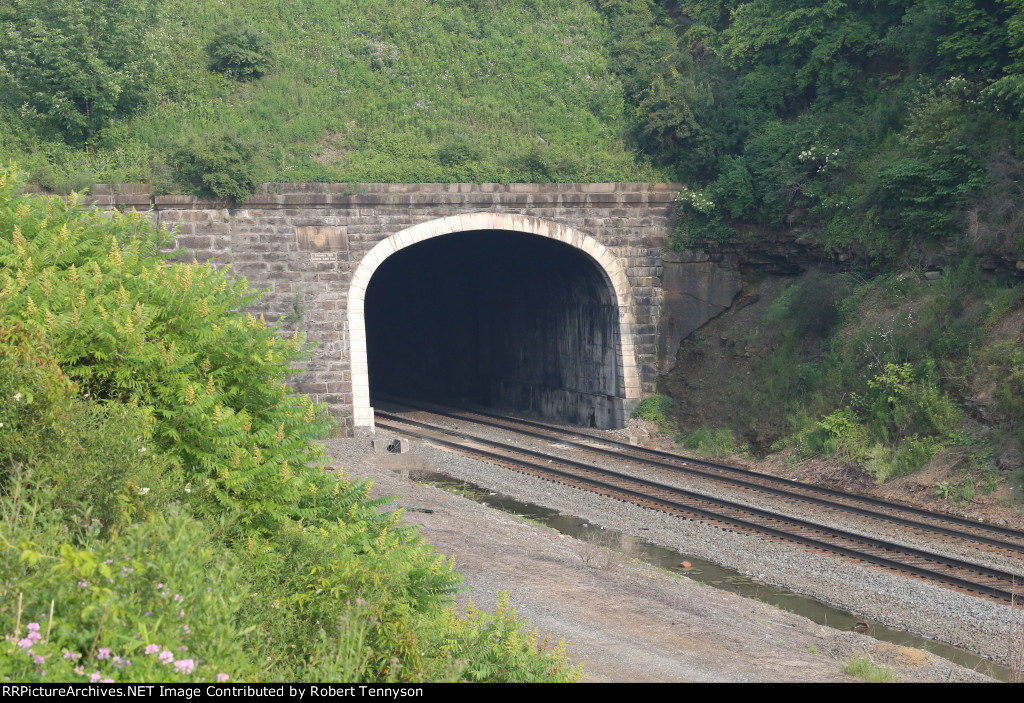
(597, 551)
(959, 493)
(657, 409)
(712, 443)
(863, 668)
(992, 481)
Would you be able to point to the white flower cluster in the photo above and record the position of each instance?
(817, 154)
(696, 200)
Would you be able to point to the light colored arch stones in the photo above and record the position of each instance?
(627, 371)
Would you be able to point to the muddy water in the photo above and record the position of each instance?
(704, 571)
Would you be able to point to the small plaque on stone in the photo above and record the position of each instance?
(322, 238)
(323, 257)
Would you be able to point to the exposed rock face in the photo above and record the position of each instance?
(695, 290)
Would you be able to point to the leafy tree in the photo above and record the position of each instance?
(75, 65)
(818, 46)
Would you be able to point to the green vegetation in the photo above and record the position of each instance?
(877, 373)
(72, 67)
(165, 513)
(869, 126)
(862, 667)
(890, 380)
(657, 409)
(241, 52)
(337, 91)
(713, 444)
(884, 132)
(218, 165)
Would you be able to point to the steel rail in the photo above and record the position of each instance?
(743, 478)
(948, 562)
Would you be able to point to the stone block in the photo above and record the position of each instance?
(272, 239)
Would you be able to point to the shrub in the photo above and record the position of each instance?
(126, 327)
(116, 369)
(840, 433)
(495, 648)
(240, 51)
(222, 166)
(885, 462)
(458, 151)
(158, 604)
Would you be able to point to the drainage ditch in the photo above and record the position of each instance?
(706, 572)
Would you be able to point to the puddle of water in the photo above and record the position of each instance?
(705, 572)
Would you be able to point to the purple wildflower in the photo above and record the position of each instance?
(222, 678)
(166, 656)
(152, 648)
(96, 676)
(185, 666)
(33, 626)
(104, 653)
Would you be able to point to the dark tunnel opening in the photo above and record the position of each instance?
(504, 319)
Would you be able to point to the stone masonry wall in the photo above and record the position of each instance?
(304, 240)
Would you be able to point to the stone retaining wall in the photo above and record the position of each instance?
(305, 241)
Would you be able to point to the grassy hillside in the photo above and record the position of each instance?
(354, 90)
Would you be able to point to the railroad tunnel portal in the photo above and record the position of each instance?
(533, 319)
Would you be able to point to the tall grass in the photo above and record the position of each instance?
(368, 91)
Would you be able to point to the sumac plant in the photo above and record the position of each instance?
(126, 325)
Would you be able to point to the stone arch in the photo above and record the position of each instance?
(615, 277)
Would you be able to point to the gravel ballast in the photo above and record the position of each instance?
(632, 622)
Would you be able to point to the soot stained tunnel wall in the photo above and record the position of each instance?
(506, 319)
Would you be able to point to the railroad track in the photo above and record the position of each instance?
(949, 570)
